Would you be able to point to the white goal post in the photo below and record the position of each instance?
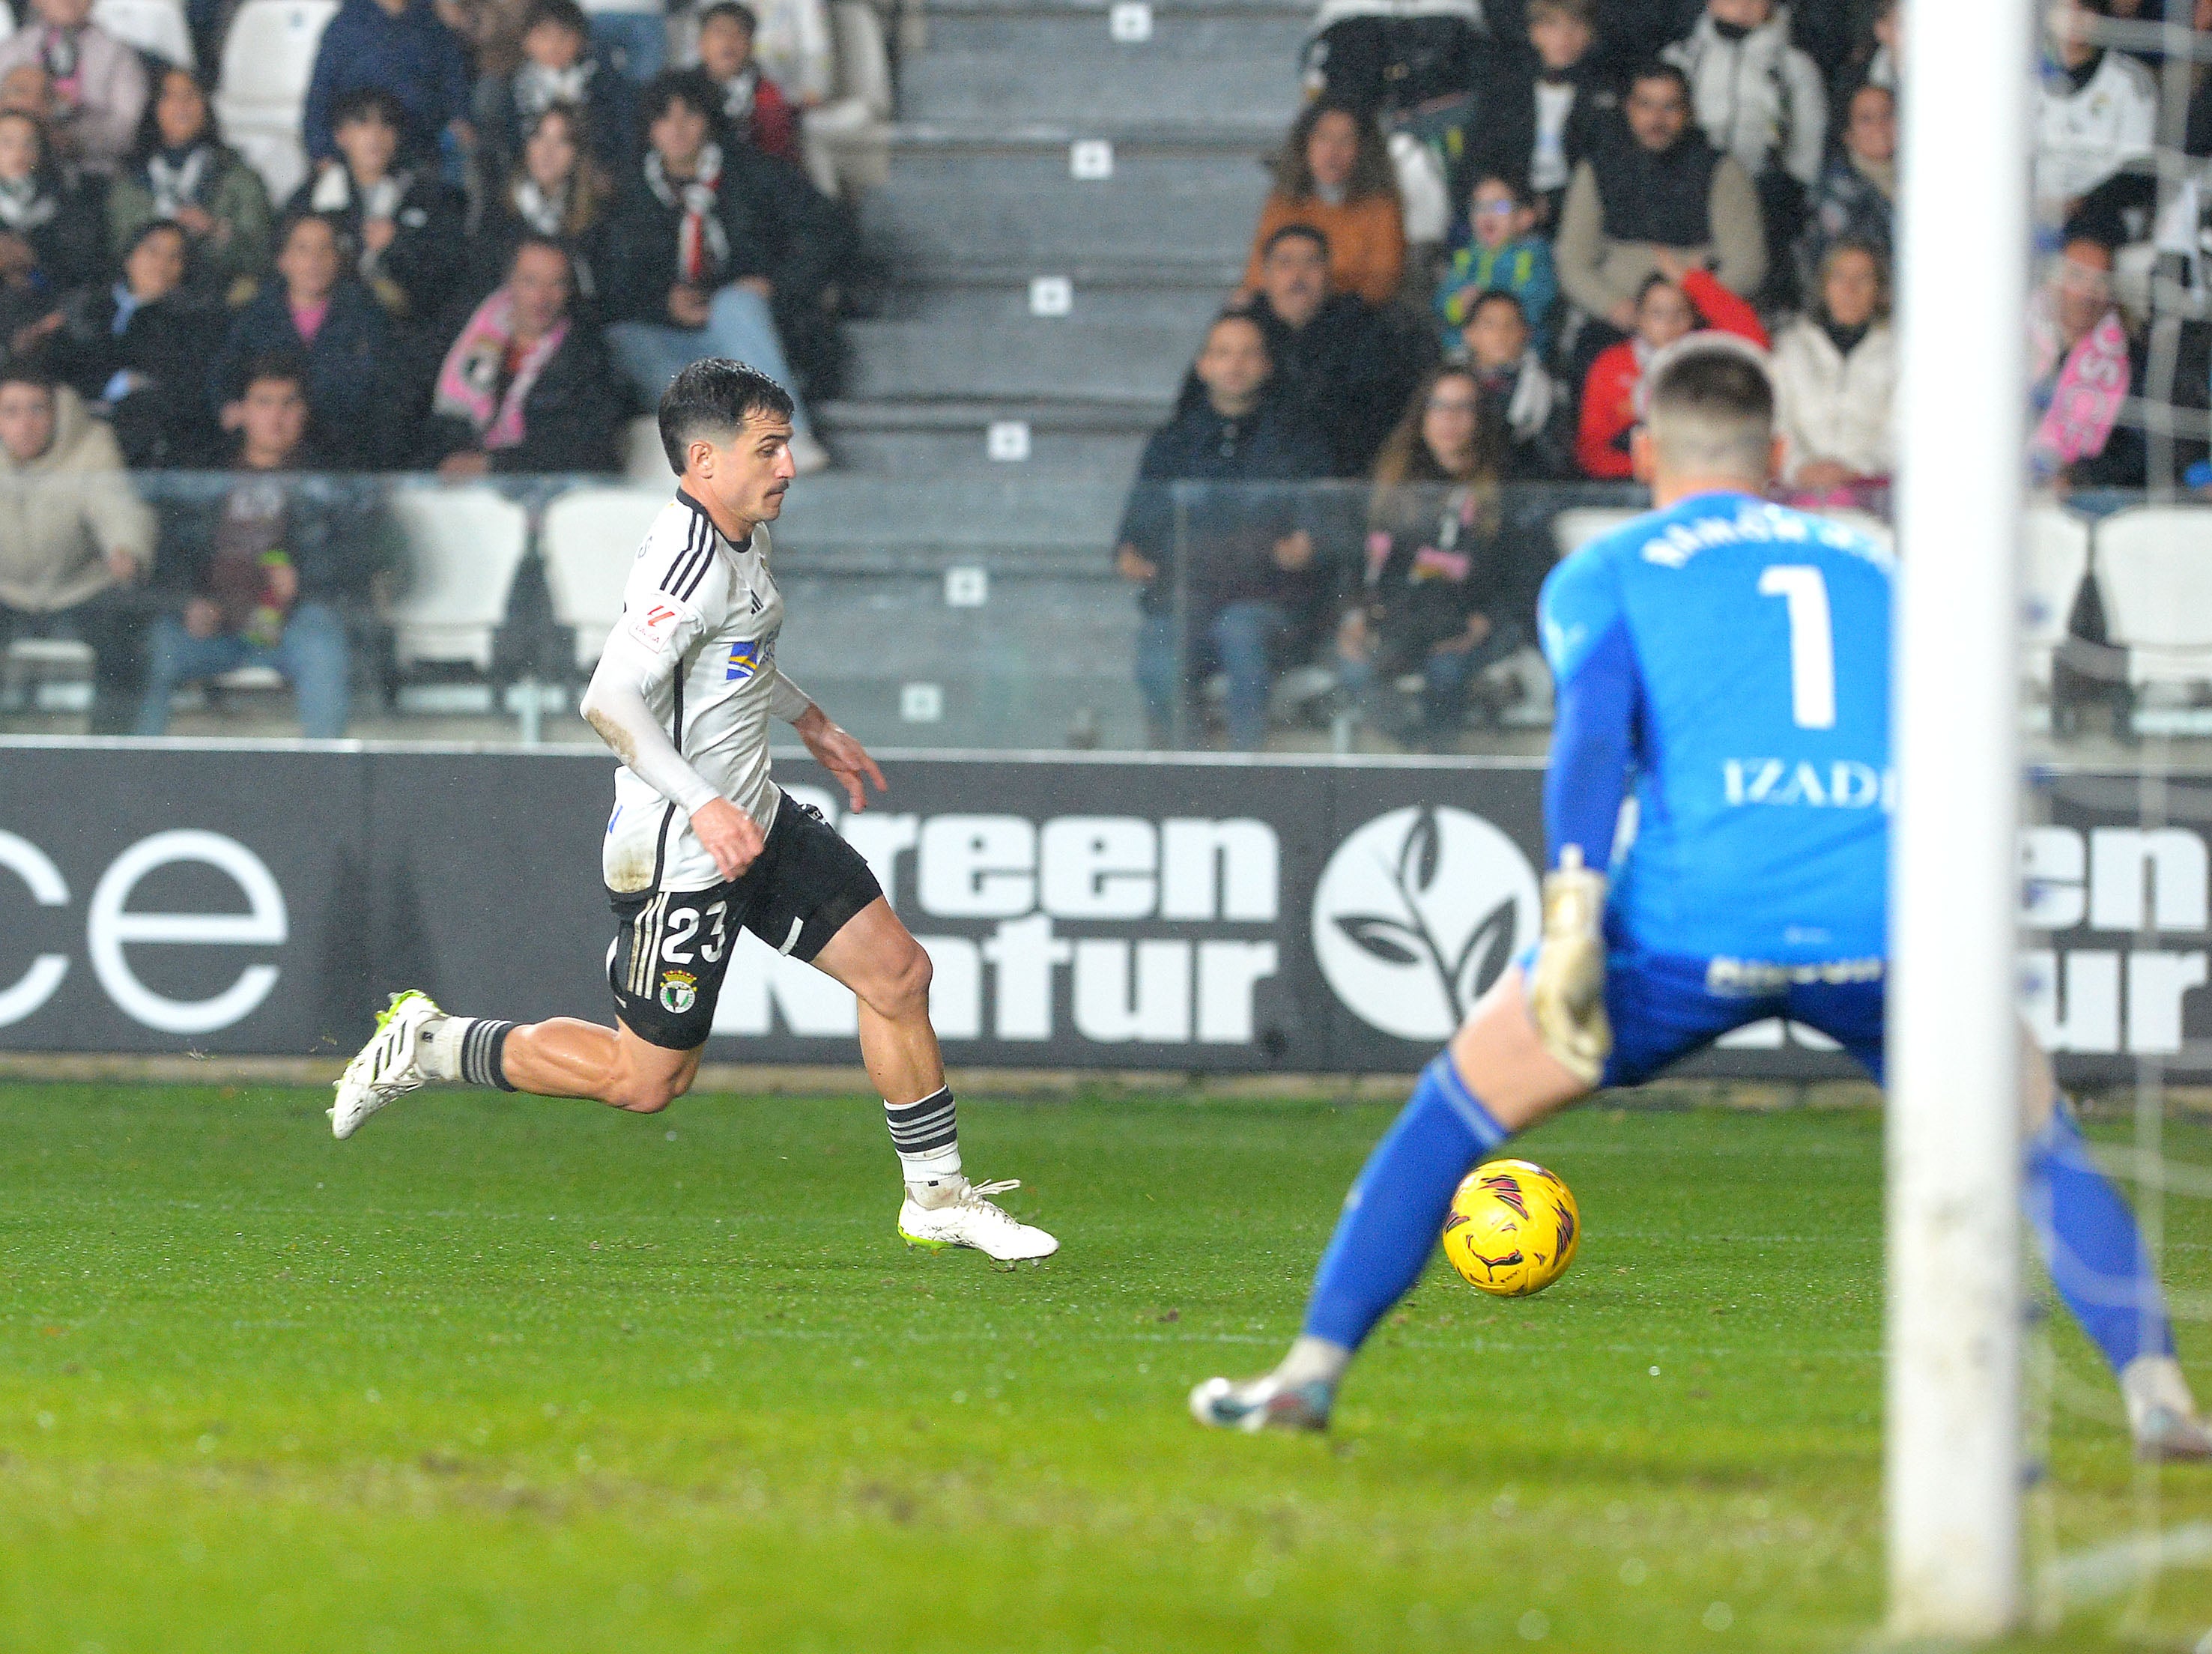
(1952, 1434)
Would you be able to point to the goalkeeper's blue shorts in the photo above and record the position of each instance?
(1665, 1007)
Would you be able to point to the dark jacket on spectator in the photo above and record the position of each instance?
(162, 421)
(1346, 374)
(331, 532)
(570, 416)
(501, 230)
(1625, 200)
(1849, 206)
(60, 219)
(1232, 529)
(1508, 139)
(775, 222)
(414, 56)
(348, 364)
(1434, 556)
(1535, 417)
(417, 277)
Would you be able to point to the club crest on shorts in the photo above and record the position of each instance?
(679, 992)
(744, 660)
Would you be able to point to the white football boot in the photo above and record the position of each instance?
(1262, 1403)
(387, 1065)
(2161, 1413)
(969, 1219)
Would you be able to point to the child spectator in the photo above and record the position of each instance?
(1835, 379)
(403, 228)
(1502, 255)
(1548, 107)
(1857, 199)
(50, 240)
(794, 48)
(266, 568)
(182, 171)
(526, 387)
(1444, 589)
(754, 108)
(1334, 175)
(1529, 409)
(96, 84)
(401, 47)
(137, 353)
(73, 536)
(557, 191)
(706, 236)
(2080, 367)
(1761, 101)
(2096, 121)
(1243, 553)
(1664, 193)
(558, 67)
(1675, 300)
(312, 307)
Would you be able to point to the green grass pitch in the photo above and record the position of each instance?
(504, 1374)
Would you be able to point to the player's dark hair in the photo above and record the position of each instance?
(566, 13)
(1710, 407)
(713, 397)
(1658, 68)
(1490, 296)
(675, 85)
(277, 367)
(1295, 233)
(743, 15)
(369, 103)
(26, 370)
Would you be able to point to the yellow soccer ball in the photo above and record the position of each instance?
(1512, 1229)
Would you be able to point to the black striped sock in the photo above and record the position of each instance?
(482, 1044)
(926, 1137)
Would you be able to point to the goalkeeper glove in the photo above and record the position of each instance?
(1567, 996)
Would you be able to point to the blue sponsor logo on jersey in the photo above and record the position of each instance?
(744, 660)
(1843, 784)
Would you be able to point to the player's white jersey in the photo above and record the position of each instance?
(707, 613)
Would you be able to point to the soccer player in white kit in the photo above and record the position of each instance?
(703, 842)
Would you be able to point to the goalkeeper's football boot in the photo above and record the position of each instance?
(388, 1065)
(2165, 1436)
(970, 1219)
(1262, 1403)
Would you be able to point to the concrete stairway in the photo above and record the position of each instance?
(982, 202)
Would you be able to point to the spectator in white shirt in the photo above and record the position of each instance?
(2096, 117)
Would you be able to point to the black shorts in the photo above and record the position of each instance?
(671, 947)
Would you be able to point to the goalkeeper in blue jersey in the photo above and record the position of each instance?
(1725, 662)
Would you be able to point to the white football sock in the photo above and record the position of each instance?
(2151, 1380)
(1313, 1359)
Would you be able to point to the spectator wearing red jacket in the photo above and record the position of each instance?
(1678, 299)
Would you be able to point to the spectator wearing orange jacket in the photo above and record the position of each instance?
(1678, 299)
(1334, 176)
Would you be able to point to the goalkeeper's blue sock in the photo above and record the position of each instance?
(1396, 1209)
(2091, 1243)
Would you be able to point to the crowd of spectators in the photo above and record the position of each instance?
(517, 222)
(1620, 173)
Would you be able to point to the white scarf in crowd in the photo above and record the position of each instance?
(537, 89)
(178, 185)
(545, 214)
(334, 192)
(702, 245)
(1534, 395)
(23, 206)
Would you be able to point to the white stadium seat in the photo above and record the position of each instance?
(644, 460)
(156, 27)
(2054, 559)
(2154, 572)
(464, 545)
(268, 59)
(848, 138)
(589, 539)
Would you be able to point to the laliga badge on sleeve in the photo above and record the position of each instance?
(656, 626)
